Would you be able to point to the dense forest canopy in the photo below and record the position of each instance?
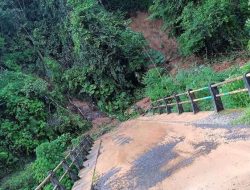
(129, 6)
(55, 50)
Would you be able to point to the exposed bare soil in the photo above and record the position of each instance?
(159, 40)
(172, 152)
(91, 113)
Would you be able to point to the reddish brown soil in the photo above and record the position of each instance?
(144, 104)
(227, 64)
(159, 40)
(92, 114)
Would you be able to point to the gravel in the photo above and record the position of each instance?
(220, 120)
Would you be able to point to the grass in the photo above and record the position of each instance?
(244, 119)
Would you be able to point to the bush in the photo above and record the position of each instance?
(21, 180)
(23, 113)
(7, 161)
(159, 85)
(169, 11)
(29, 117)
(213, 26)
(196, 77)
(110, 58)
(127, 6)
(80, 36)
(49, 155)
(205, 27)
(248, 28)
(239, 99)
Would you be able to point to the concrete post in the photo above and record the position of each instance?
(179, 106)
(194, 105)
(217, 102)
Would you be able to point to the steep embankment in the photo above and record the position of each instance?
(159, 40)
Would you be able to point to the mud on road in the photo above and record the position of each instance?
(187, 152)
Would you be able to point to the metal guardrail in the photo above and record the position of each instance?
(215, 96)
(74, 159)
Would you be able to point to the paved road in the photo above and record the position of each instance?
(172, 152)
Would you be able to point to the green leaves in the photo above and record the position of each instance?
(204, 27)
(2, 43)
(21, 180)
(157, 84)
(129, 6)
(28, 117)
(110, 58)
(248, 25)
(49, 154)
(53, 49)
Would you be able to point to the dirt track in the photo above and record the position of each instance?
(171, 152)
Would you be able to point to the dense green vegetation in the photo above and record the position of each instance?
(49, 155)
(51, 51)
(205, 27)
(158, 84)
(55, 50)
(109, 58)
(129, 6)
(30, 116)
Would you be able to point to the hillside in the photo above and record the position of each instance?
(69, 68)
(158, 39)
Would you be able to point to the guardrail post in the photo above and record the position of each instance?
(150, 109)
(157, 109)
(83, 146)
(217, 102)
(55, 182)
(84, 152)
(194, 105)
(88, 143)
(179, 106)
(73, 176)
(90, 140)
(153, 110)
(247, 82)
(168, 108)
(161, 110)
(75, 159)
(80, 155)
